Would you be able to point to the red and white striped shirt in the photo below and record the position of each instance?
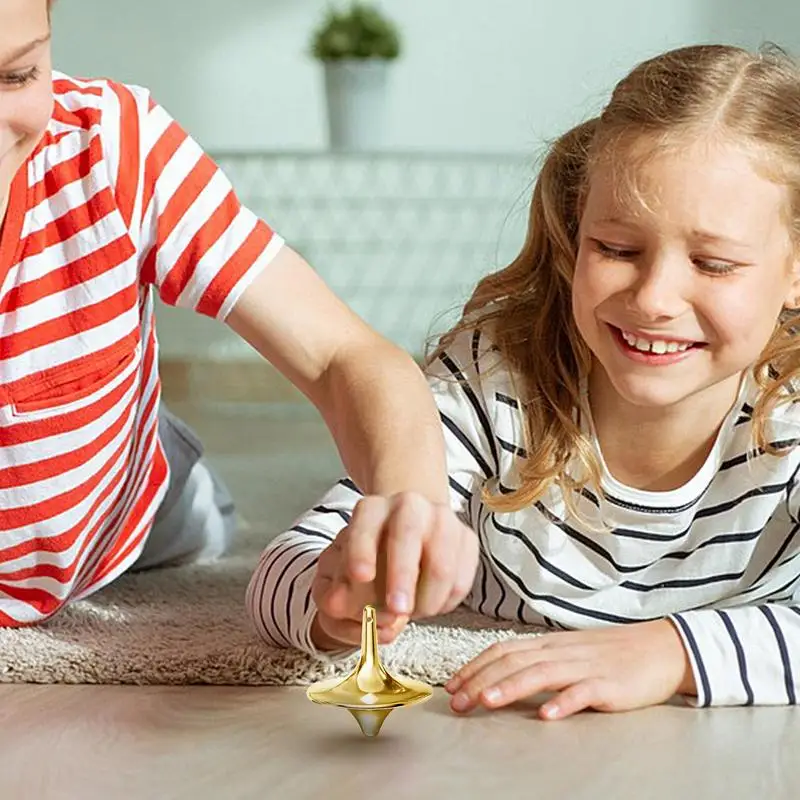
(116, 199)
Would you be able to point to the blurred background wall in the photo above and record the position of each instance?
(479, 89)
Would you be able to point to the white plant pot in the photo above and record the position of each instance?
(355, 92)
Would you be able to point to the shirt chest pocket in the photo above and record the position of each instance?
(88, 379)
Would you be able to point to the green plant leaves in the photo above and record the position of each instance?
(360, 32)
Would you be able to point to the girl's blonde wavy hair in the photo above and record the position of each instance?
(750, 98)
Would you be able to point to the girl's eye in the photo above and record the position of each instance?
(715, 267)
(614, 252)
(18, 79)
(707, 265)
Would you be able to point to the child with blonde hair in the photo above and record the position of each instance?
(621, 418)
(105, 200)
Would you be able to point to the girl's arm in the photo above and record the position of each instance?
(750, 655)
(743, 656)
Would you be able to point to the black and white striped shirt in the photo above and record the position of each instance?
(720, 555)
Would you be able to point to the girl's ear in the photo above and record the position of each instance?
(792, 300)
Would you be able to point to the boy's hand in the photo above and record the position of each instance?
(404, 555)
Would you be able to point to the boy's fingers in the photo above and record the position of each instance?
(348, 599)
(363, 535)
(329, 560)
(439, 564)
(336, 602)
(342, 630)
(329, 598)
(387, 619)
(320, 588)
(407, 529)
(349, 630)
(465, 574)
(327, 572)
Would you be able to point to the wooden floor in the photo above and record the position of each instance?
(103, 743)
(160, 743)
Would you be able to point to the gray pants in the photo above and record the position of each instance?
(197, 518)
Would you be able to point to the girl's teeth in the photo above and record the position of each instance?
(659, 347)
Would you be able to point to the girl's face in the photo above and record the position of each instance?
(677, 290)
(26, 95)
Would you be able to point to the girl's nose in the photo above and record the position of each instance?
(658, 293)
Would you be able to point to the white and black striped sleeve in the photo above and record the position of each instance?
(743, 656)
(278, 598)
(750, 655)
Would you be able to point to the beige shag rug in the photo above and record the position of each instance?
(187, 625)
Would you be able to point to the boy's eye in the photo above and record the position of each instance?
(17, 79)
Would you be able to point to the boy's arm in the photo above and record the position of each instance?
(279, 599)
(204, 250)
(371, 394)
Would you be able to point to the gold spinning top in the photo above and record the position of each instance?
(369, 693)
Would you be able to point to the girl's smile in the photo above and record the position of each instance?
(654, 350)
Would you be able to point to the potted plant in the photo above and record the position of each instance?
(356, 46)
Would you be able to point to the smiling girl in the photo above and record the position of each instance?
(621, 415)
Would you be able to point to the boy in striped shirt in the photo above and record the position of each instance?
(104, 199)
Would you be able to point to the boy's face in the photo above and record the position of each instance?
(26, 94)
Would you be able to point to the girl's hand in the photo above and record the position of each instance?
(407, 556)
(611, 669)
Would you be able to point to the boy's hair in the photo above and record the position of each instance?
(527, 307)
